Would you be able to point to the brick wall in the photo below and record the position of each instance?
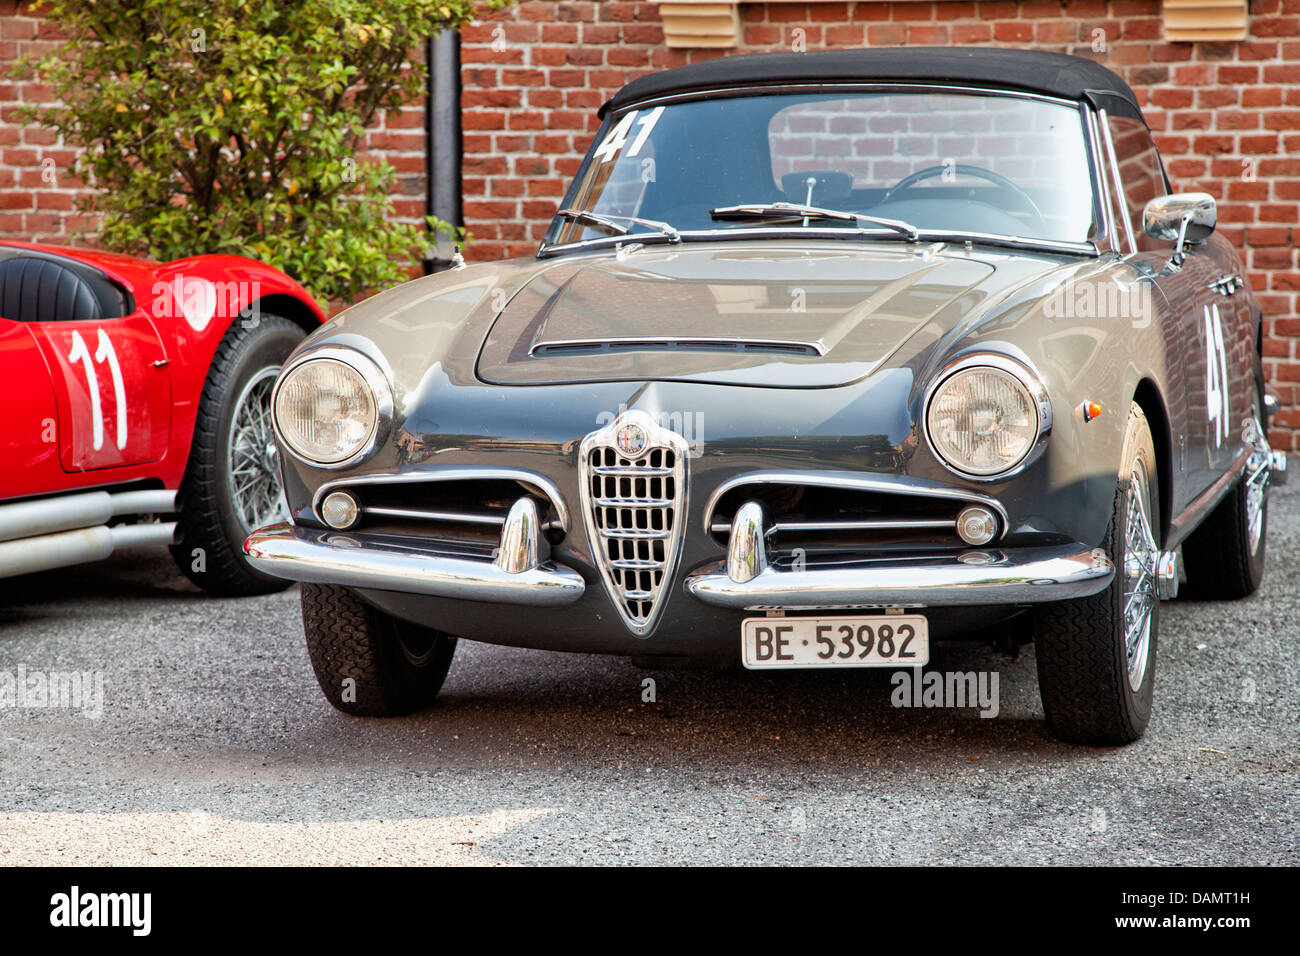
(38, 192)
(1226, 115)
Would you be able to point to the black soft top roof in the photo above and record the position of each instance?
(1035, 71)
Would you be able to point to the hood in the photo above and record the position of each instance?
(802, 317)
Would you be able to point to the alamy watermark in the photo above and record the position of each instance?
(688, 424)
(916, 687)
(198, 300)
(1102, 300)
(22, 688)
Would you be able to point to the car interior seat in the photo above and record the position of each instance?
(42, 287)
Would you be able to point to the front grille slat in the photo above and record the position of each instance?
(641, 533)
(633, 500)
(629, 472)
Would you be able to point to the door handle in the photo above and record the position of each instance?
(1227, 284)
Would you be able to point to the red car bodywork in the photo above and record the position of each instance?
(147, 369)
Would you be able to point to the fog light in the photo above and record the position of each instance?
(977, 525)
(340, 510)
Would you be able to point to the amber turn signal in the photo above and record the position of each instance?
(1089, 410)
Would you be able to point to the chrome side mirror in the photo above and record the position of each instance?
(1184, 218)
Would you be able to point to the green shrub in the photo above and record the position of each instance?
(234, 125)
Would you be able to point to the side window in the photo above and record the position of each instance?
(1139, 168)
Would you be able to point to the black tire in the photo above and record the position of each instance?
(1083, 667)
(368, 663)
(210, 546)
(1223, 561)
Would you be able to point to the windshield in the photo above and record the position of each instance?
(938, 161)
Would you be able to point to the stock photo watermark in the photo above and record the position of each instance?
(75, 908)
(1131, 302)
(916, 687)
(687, 424)
(25, 688)
(198, 300)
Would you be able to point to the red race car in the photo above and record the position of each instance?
(136, 401)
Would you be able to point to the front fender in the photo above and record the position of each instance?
(192, 303)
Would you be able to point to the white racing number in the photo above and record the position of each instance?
(617, 138)
(103, 353)
(1216, 375)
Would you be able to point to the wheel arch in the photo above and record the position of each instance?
(290, 307)
(1148, 397)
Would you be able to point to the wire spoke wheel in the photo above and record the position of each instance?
(1257, 473)
(1141, 554)
(252, 468)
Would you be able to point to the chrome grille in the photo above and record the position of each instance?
(633, 502)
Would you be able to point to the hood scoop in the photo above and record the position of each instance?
(674, 344)
(725, 313)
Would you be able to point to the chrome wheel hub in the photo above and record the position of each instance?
(252, 462)
(1141, 576)
(1258, 468)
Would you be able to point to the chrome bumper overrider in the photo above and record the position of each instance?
(1010, 576)
(330, 557)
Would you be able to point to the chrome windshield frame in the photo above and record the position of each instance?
(1089, 247)
(1048, 246)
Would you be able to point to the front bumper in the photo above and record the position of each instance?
(332, 557)
(998, 577)
(1001, 577)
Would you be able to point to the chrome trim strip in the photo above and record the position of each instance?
(866, 524)
(854, 481)
(332, 557)
(1103, 126)
(647, 534)
(380, 390)
(1101, 185)
(1004, 577)
(459, 517)
(652, 341)
(631, 471)
(451, 473)
(854, 86)
(1049, 246)
(1028, 377)
(1205, 502)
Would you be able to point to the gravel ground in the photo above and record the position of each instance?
(214, 745)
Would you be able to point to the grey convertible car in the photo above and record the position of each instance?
(825, 358)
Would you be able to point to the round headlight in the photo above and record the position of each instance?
(328, 409)
(983, 420)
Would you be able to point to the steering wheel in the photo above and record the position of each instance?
(979, 172)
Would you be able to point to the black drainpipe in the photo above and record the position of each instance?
(443, 140)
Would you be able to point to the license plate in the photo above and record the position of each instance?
(882, 640)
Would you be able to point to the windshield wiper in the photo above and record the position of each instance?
(611, 223)
(792, 211)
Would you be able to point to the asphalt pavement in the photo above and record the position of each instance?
(212, 744)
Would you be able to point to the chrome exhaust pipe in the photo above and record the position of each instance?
(64, 548)
(29, 519)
